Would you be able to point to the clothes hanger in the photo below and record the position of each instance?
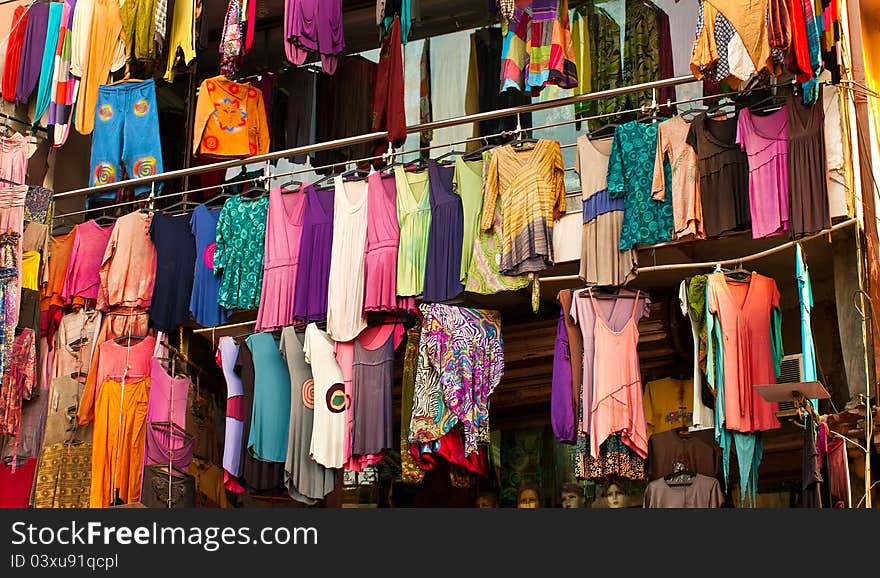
(130, 338)
(604, 131)
(681, 474)
(520, 144)
(610, 292)
(163, 469)
(172, 428)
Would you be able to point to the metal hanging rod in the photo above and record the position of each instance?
(383, 135)
(410, 151)
(709, 264)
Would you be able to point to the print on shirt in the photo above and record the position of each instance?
(104, 173)
(308, 393)
(141, 107)
(230, 115)
(144, 167)
(678, 417)
(336, 398)
(209, 255)
(105, 113)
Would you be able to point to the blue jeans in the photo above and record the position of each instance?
(126, 135)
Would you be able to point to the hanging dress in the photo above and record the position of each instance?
(281, 258)
(617, 398)
(443, 267)
(345, 288)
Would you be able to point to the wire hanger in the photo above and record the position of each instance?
(610, 292)
(520, 144)
(258, 189)
(151, 200)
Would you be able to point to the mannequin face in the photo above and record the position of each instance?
(486, 502)
(572, 500)
(528, 498)
(615, 496)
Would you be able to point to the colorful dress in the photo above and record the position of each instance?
(531, 186)
(483, 275)
(241, 233)
(465, 346)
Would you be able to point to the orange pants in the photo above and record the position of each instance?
(118, 442)
(104, 36)
(116, 323)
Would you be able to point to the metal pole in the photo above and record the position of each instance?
(383, 135)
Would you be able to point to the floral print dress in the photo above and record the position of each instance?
(238, 256)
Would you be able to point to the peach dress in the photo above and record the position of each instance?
(617, 382)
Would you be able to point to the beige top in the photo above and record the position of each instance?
(687, 208)
(128, 270)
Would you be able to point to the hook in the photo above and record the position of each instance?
(858, 306)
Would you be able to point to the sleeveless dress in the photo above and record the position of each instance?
(267, 439)
(284, 226)
(383, 237)
(313, 273)
(617, 398)
(345, 288)
(443, 267)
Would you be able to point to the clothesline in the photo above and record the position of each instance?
(709, 264)
(363, 160)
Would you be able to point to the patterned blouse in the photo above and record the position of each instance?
(238, 256)
(630, 176)
(530, 184)
(466, 349)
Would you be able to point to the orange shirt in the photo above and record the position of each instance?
(230, 119)
(59, 255)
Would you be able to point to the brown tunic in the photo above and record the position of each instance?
(666, 448)
(724, 175)
(807, 176)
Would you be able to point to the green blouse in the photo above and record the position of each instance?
(238, 257)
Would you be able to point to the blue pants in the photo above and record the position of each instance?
(126, 135)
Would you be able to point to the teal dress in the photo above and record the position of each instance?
(630, 175)
(270, 418)
(238, 256)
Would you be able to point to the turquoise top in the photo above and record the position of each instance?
(270, 418)
(238, 257)
(805, 296)
(630, 176)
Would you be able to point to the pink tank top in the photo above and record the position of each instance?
(617, 382)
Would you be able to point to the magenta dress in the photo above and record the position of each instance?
(383, 236)
(313, 273)
(284, 226)
(765, 141)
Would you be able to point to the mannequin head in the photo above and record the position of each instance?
(615, 495)
(572, 496)
(487, 500)
(528, 497)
